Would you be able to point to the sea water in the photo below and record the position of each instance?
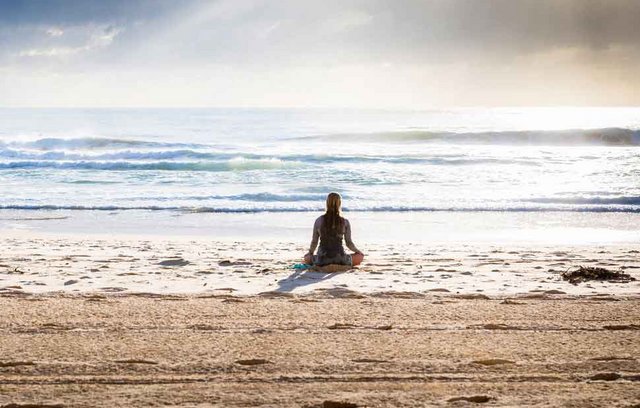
(177, 166)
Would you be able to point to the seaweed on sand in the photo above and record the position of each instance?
(587, 273)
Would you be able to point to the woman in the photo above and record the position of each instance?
(331, 228)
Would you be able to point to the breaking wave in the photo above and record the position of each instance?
(568, 137)
(316, 208)
(93, 143)
(235, 164)
(588, 200)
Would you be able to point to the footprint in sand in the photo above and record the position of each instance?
(554, 292)
(369, 360)
(4, 364)
(174, 262)
(492, 362)
(253, 361)
(112, 289)
(233, 300)
(492, 326)
(622, 327)
(338, 404)
(227, 262)
(478, 399)
(339, 326)
(612, 358)
(472, 296)
(605, 377)
(135, 361)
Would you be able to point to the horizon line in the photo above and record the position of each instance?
(264, 107)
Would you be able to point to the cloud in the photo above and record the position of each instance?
(347, 31)
(295, 51)
(54, 31)
(49, 52)
(347, 20)
(404, 31)
(96, 38)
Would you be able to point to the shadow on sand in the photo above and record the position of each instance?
(303, 278)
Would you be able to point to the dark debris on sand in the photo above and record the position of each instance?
(587, 273)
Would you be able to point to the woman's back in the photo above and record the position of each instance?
(330, 229)
(331, 234)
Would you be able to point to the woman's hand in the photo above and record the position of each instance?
(308, 258)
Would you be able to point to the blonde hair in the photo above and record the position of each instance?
(334, 203)
(333, 219)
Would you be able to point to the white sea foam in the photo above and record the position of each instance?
(229, 161)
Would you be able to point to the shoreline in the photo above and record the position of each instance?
(492, 227)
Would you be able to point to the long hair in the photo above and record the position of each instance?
(333, 221)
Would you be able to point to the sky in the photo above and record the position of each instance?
(389, 54)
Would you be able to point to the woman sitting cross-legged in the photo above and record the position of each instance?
(330, 229)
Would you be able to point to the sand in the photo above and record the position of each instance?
(373, 350)
(73, 264)
(136, 322)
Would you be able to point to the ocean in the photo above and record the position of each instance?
(168, 163)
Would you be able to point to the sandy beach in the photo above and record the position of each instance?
(104, 321)
(383, 350)
(167, 167)
(71, 264)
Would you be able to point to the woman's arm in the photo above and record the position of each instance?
(315, 236)
(347, 237)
